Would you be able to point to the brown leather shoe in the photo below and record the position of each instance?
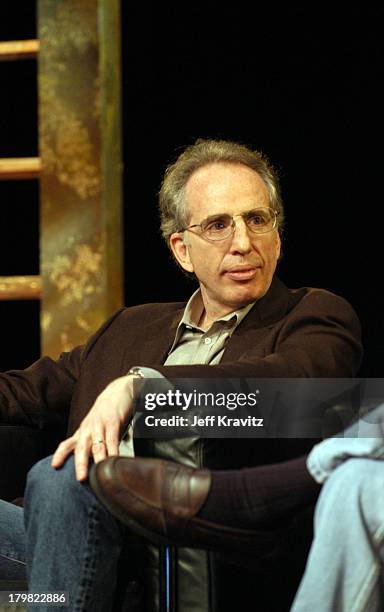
(160, 500)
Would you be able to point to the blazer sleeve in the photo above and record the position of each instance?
(41, 395)
(320, 337)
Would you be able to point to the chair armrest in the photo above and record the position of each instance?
(20, 448)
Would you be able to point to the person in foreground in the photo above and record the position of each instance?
(227, 511)
(222, 216)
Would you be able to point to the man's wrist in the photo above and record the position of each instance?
(136, 372)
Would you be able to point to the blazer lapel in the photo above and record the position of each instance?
(264, 315)
(156, 339)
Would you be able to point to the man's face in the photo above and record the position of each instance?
(238, 270)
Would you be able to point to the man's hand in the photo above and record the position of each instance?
(99, 432)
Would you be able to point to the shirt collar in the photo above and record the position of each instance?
(193, 311)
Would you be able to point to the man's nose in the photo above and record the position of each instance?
(241, 240)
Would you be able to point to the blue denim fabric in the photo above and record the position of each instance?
(12, 547)
(73, 543)
(344, 572)
(344, 568)
(362, 439)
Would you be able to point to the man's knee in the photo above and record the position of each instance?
(357, 485)
(357, 475)
(46, 479)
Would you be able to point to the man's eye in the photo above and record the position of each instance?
(257, 219)
(216, 226)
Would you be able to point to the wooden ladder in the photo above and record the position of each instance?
(19, 168)
(80, 281)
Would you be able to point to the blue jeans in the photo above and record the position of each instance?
(12, 538)
(67, 539)
(344, 571)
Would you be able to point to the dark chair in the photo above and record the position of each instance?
(20, 448)
(198, 581)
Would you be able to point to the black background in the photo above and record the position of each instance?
(304, 85)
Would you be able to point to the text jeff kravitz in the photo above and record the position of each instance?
(210, 420)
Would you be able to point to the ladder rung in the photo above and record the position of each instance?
(19, 49)
(20, 168)
(20, 287)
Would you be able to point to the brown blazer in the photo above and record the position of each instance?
(287, 334)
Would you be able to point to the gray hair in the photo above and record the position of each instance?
(174, 214)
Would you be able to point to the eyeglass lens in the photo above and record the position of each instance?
(258, 220)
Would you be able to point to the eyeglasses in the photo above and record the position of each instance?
(220, 227)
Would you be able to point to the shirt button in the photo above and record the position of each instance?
(207, 340)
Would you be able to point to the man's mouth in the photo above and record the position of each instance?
(241, 272)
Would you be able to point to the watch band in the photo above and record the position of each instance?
(137, 372)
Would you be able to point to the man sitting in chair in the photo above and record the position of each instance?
(221, 215)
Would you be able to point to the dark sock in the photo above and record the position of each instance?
(261, 495)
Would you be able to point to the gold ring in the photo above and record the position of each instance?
(97, 442)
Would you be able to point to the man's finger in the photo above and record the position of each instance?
(99, 450)
(82, 453)
(112, 440)
(64, 449)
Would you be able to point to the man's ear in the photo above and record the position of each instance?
(180, 251)
(278, 247)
